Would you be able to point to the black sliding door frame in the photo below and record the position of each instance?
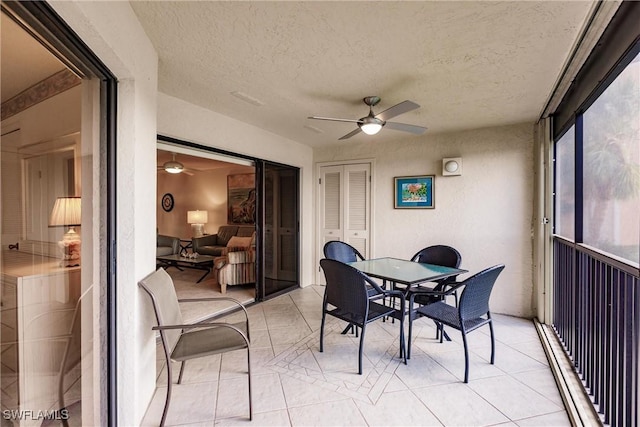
(261, 285)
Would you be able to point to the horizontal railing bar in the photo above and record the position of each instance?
(619, 263)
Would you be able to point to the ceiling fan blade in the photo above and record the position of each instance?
(350, 134)
(418, 130)
(397, 109)
(334, 120)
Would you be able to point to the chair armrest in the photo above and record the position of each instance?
(206, 325)
(210, 240)
(214, 316)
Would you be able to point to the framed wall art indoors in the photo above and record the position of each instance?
(413, 192)
(241, 198)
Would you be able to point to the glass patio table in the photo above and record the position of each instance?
(408, 273)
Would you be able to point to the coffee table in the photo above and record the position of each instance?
(202, 262)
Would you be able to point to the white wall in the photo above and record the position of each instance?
(189, 122)
(113, 33)
(486, 213)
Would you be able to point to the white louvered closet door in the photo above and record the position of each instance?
(345, 198)
(356, 207)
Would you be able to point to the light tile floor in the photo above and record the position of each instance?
(296, 385)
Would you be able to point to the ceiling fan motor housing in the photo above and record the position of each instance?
(371, 101)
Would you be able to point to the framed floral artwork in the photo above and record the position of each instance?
(413, 192)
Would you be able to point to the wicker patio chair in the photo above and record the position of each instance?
(437, 255)
(348, 295)
(472, 311)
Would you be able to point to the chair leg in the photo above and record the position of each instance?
(493, 343)
(410, 332)
(403, 350)
(324, 315)
(181, 371)
(349, 328)
(360, 350)
(249, 380)
(168, 399)
(466, 357)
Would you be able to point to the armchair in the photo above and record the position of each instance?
(236, 268)
(167, 245)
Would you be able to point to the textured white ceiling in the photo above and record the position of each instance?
(468, 64)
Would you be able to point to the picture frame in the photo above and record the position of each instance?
(241, 199)
(414, 192)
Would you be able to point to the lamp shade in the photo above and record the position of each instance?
(66, 211)
(197, 217)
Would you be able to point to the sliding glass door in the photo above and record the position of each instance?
(279, 263)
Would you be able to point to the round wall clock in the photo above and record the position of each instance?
(167, 202)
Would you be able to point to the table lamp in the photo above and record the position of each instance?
(197, 219)
(67, 212)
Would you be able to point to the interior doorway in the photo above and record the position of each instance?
(205, 210)
(240, 194)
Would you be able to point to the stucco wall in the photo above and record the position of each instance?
(486, 213)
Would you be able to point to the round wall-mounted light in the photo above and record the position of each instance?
(452, 166)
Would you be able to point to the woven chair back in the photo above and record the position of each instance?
(474, 301)
(341, 251)
(346, 289)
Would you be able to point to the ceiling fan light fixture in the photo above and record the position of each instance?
(173, 167)
(371, 128)
(370, 125)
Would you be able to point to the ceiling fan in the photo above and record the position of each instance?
(174, 167)
(373, 123)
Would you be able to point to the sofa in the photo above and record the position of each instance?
(217, 244)
(167, 245)
(235, 250)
